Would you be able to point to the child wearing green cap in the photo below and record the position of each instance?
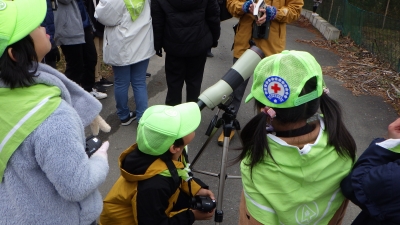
(45, 175)
(155, 186)
(293, 160)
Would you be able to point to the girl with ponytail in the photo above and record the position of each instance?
(293, 156)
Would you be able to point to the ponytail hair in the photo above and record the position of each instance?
(338, 135)
(19, 73)
(254, 139)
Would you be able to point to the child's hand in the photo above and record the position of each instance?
(394, 129)
(199, 215)
(102, 151)
(206, 192)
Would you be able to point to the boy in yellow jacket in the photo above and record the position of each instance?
(156, 186)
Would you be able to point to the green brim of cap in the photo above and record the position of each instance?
(249, 97)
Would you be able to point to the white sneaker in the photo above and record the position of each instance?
(315, 14)
(98, 95)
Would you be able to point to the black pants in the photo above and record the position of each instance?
(52, 57)
(184, 69)
(81, 61)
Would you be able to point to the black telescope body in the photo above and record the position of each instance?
(239, 72)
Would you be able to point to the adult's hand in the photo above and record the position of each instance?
(159, 52)
(394, 129)
(262, 19)
(251, 8)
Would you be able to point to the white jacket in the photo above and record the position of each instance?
(125, 41)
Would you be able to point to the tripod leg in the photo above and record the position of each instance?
(203, 147)
(219, 214)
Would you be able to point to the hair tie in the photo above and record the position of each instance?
(269, 111)
(326, 90)
(272, 114)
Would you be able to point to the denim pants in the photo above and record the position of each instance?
(135, 75)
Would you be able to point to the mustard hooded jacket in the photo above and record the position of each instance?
(142, 196)
(287, 12)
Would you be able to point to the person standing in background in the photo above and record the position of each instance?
(98, 30)
(128, 46)
(74, 34)
(53, 56)
(315, 6)
(277, 13)
(186, 30)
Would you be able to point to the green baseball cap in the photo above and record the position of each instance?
(18, 18)
(161, 125)
(279, 79)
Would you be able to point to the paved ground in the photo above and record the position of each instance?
(366, 117)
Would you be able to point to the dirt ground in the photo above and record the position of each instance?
(359, 70)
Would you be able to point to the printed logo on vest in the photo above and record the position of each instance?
(276, 89)
(3, 5)
(307, 213)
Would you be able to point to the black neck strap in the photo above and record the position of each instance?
(296, 132)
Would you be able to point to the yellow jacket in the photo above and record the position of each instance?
(121, 205)
(287, 11)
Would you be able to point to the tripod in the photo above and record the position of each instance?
(229, 123)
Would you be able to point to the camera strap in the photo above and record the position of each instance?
(172, 170)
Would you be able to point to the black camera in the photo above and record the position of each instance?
(92, 145)
(202, 203)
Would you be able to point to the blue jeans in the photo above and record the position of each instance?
(135, 75)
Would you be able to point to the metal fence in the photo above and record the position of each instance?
(379, 33)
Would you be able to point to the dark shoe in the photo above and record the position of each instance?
(131, 117)
(99, 87)
(105, 82)
(221, 138)
(148, 75)
(209, 54)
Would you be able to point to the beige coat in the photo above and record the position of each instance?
(287, 11)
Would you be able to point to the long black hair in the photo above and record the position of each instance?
(254, 134)
(19, 73)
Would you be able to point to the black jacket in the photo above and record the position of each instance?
(98, 30)
(185, 28)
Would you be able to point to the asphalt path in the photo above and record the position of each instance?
(366, 117)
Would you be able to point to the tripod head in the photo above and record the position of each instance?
(228, 119)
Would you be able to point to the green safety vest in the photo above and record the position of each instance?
(302, 188)
(22, 110)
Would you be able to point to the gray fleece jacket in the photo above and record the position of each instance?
(68, 24)
(49, 179)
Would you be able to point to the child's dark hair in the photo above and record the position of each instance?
(167, 155)
(254, 134)
(19, 73)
